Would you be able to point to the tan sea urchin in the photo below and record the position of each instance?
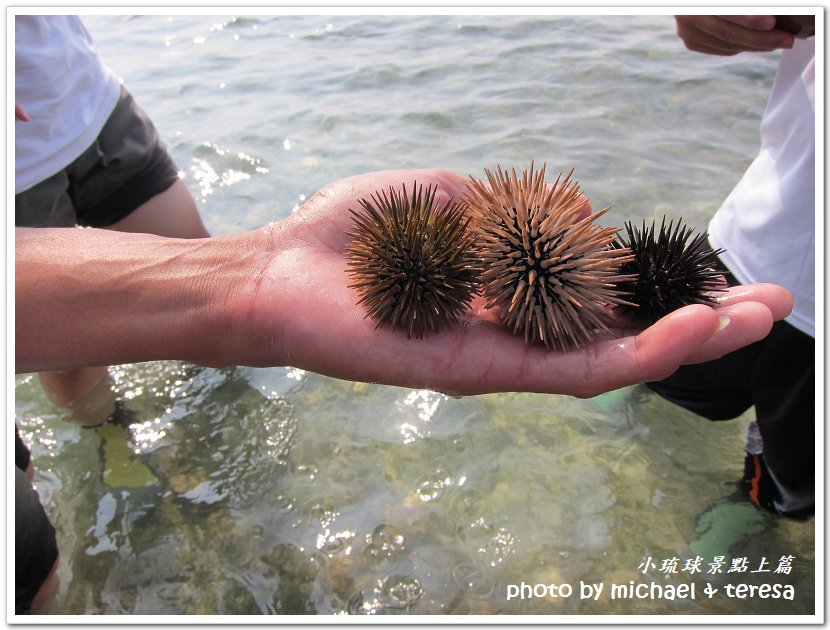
(549, 270)
(413, 262)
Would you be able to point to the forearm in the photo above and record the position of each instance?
(97, 297)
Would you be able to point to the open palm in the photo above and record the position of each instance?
(304, 312)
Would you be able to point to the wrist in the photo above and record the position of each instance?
(229, 300)
(203, 298)
(203, 293)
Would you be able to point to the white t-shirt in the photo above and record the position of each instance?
(64, 88)
(767, 223)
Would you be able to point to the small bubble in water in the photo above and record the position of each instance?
(385, 541)
(473, 532)
(329, 544)
(355, 605)
(501, 545)
(325, 514)
(427, 492)
(358, 605)
(472, 579)
(400, 591)
(307, 471)
(434, 485)
(468, 502)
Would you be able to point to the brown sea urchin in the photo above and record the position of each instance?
(549, 270)
(671, 268)
(413, 261)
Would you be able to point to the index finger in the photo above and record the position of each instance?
(754, 22)
(753, 31)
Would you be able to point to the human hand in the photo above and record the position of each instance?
(298, 310)
(20, 114)
(801, 26)
(731, 34)
(280, 296)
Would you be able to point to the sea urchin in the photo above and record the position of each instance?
(413, 262)
(550, 270)
(671, 269)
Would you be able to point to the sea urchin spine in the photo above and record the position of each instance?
(412, 261)
(549, 270)
(670, 269)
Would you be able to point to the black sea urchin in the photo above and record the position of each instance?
(413, 262)
(670, 268)
(548, 269)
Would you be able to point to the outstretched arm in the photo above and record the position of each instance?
(280, 296)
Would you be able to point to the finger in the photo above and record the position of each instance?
(666, 345)
(800, 26)
(585, 209)
(326, 217)
(776, 298)
(709, 50)
(734, 43)
(754, 22)
(689, 335)
(599, 367)
(20, 113)
(741, 324)
(346, 192)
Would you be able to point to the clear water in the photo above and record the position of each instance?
(261, 491)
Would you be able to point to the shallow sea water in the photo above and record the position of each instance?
(261, 491)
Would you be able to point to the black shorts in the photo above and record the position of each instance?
(35, 547)
(21, 452)
(776, 375)
(126, 166)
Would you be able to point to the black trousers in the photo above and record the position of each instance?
(777, 376)
(36, 546)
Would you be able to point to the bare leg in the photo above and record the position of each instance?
(171, 213)
(87, 390)
(48, 590)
